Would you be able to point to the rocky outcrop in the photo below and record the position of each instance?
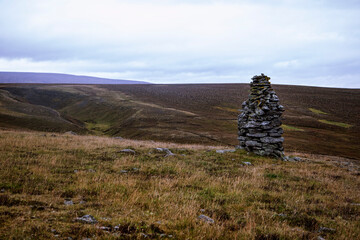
(260, 120)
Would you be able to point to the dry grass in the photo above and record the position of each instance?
(163, 196)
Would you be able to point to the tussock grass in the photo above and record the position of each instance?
(162, 197)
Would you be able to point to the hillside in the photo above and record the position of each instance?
(57, 78)
(50, 181)
(317, 120)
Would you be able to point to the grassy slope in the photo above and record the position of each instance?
(164, 195)
(193, 113)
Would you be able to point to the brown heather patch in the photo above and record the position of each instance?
(165, 195)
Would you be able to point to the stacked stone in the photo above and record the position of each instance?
(260, 120)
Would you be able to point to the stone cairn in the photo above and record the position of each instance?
(260, 120)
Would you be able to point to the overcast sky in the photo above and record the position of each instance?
(302, 42)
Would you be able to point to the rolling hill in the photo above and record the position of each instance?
(57, 78)
(317, 120)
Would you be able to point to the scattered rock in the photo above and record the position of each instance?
(166, 150)
(202, 210)
(71, 133)
(68, 202)
(86, 219)
(292, 159)
(2, 190)
(91, 170)
(326, 230)
(247, 163)
(144, 235)
(119, 138)
(130, 151)
(320, 238)
(123, 171)
(105, 228)
(206, 218)
(225, 151)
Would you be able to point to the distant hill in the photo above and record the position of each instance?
(316, 120)
(57, 78)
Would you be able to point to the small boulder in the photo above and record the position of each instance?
(68, 202)
(206, 218)
(225, 151)
(326, 230)
(166, 150)
(71, 133)
(129, 151)
(86, 219)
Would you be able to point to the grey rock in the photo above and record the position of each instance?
(252, 144)
(123, 171)
(326, 230)
(241, 138)
(259, 111)
(247, 163)
(71, 133)
(292, 159)
(68, 202)
(251, 124)
(272, 140)
(130, 151)
(206, 218)
(86, 219)
(320, 238)
(166, 150)
(143, 235)
(225, 151)
(257, 135)
(105, 228)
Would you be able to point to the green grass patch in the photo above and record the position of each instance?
(291, 128)
(317, 111)
(339, 124)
